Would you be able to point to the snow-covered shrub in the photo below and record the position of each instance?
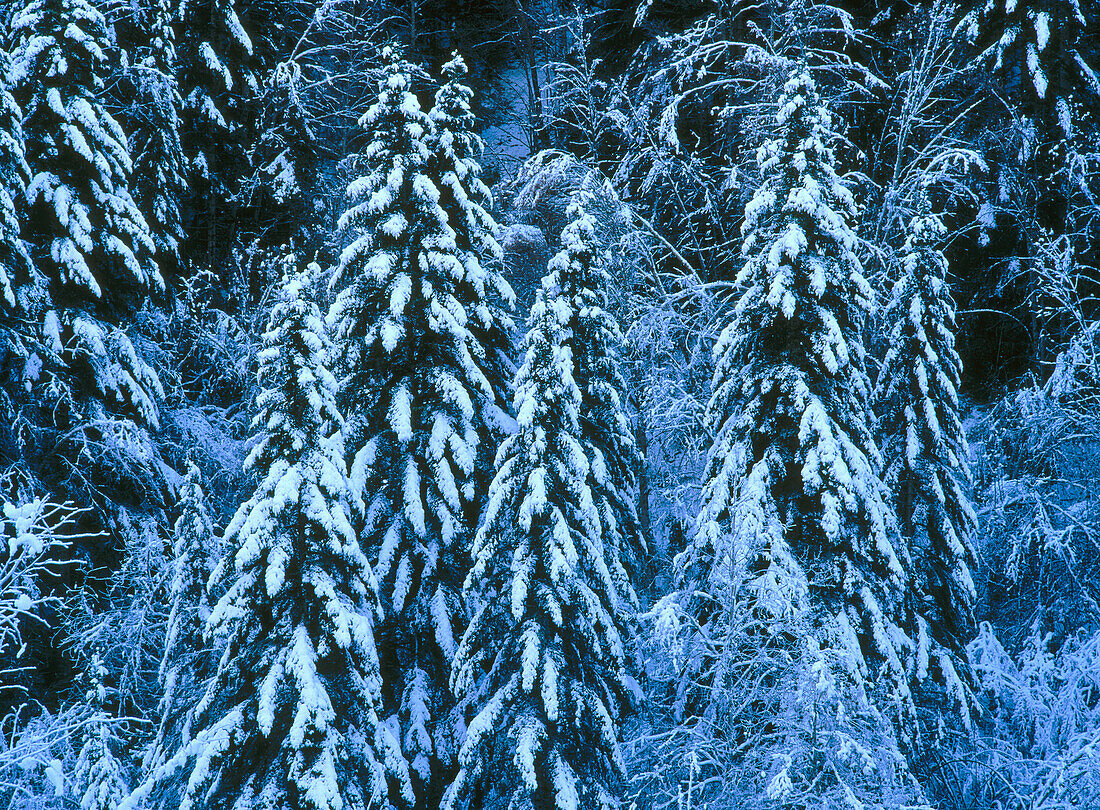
(1036, 660)
(32, 542)
(36, 757)
(34, 744)
(1040, 748)
(122, 620)
(1038, 465)
(785, 725)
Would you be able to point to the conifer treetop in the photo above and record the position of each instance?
(456, 149)
(379, 215)
(801, 198)
(918, 384)
(78, 154)
(452, 114)
(186, 661)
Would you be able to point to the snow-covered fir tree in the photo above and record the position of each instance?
(83, 224)
(543, 658)
(423, 397)
(86, 236)
(455, 148)
(925, 449)
(14, 261)
(159, 183)
(98, 782)
(286, 182)
(1039, 52)
(1043, 43)
(465, 199)
(290, 718)
(218, 86)
(187, 661)
(606, 434)
(795, 519)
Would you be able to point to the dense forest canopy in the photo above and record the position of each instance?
(549, 404)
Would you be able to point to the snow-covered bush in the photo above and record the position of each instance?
(37, 756)
(122, 620)
(35, 745)
(1038, 460)
(785, 725)
(1040, 748)
(1036, 660)
(33, 539)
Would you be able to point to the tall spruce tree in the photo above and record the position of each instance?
(290, 719)
(917, 398)
(188, 661)
(82, 226)
(795, 519)
(606, 434)
(97, 780)
(1040, 51)
(159, 170)
(219, 87)
(96, 393)
(423, 397)
(455, 148)
(285, 185)
(543, 658)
